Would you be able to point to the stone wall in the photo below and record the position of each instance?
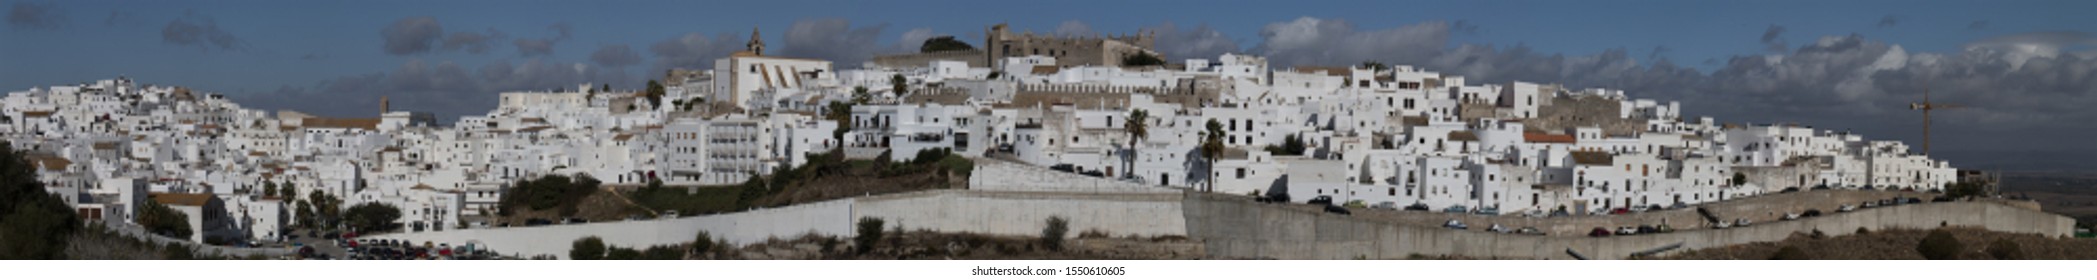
(1582, 111)
(1235, 228)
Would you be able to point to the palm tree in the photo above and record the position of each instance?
(1212, 147)
(1138, 127)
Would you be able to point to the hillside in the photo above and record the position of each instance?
(1901, 244)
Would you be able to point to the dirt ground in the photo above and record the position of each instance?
(1900, 244)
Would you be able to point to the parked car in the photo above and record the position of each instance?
(1619, 211)
(671, 214)
(1336, 209)
(1810, 213)
(1722, 224)
(537, 222)
(1455, 224)
(1846, 208)
(1870, 204)
(1094, 173)
(1384, 205)
(1790, 216)
(1416, 207)
(1789, 190)
(1626, 231)
(1455, 209)
(1679, 205)
(1914, 200)
(1528, 231)
(1496, 228)
(1320, 200)
(1941, 199)
(1598, 232)
(1489, 211)
(1648, 229)
(1820, 187)
(574, 220)
(1742, 222)
(1065, 167)
(1664, 228)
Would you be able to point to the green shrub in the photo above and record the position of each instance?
(622, 253)
(1052, 234)
(587, 248)
(1790, 253)
(703, 243)
(1939, 245)
(2004, 249)
(869, 233)
(662, 252)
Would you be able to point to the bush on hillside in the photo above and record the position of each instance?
(1939, 245)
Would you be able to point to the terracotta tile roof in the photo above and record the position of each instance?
(1045, 70)
(184, 199)
(1463, 136)
(36, 114)
(51, 163)
(1533, 137)
(1593, 158)
(105, 145)
(1329, 70)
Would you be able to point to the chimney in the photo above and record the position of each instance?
(383, 104)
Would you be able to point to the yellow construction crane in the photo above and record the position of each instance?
(1926, 106)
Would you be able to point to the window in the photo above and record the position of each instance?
(1241, 173)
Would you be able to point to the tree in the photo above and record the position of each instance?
(373, 217)
(1142, 59)
(269, 188)
(587, 248)
(164, 221)
(901, 85)
(1138, 127)
(662, 252)
(944, 43)
(1052, 233)
(860, 96)
(841, 113)
(1940, 245)
(33, 224)
(1212, 147)
(622, 253)
(654, 93)
(288, 191)
(1964, 190)
(869, 233)
(1373, 65)
(1739, 179)
(1291, 145)
(703, 243)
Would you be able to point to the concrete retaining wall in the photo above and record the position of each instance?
(1234, 228)
(1012, 213)
(1000, 175)
(1020, 213)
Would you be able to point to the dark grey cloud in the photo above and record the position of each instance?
(1075, 29)
(1889, 21)
(692, 51)
(473, 42)
(445, 88)
(1197, 42)
(198, 30)
(1772, 39)
(28, 15)
(543, 46)
(833, 39)
(615, 56)
(1658, 51)
(411, 35)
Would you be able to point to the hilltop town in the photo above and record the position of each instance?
(1371, 136)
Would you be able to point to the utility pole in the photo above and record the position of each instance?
(1926, 106)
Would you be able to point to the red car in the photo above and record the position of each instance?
(1598, 232)
(1619, 211)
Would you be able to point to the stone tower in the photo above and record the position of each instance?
(757, 44)
(384, 105)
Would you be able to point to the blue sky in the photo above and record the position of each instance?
(1751, 61)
